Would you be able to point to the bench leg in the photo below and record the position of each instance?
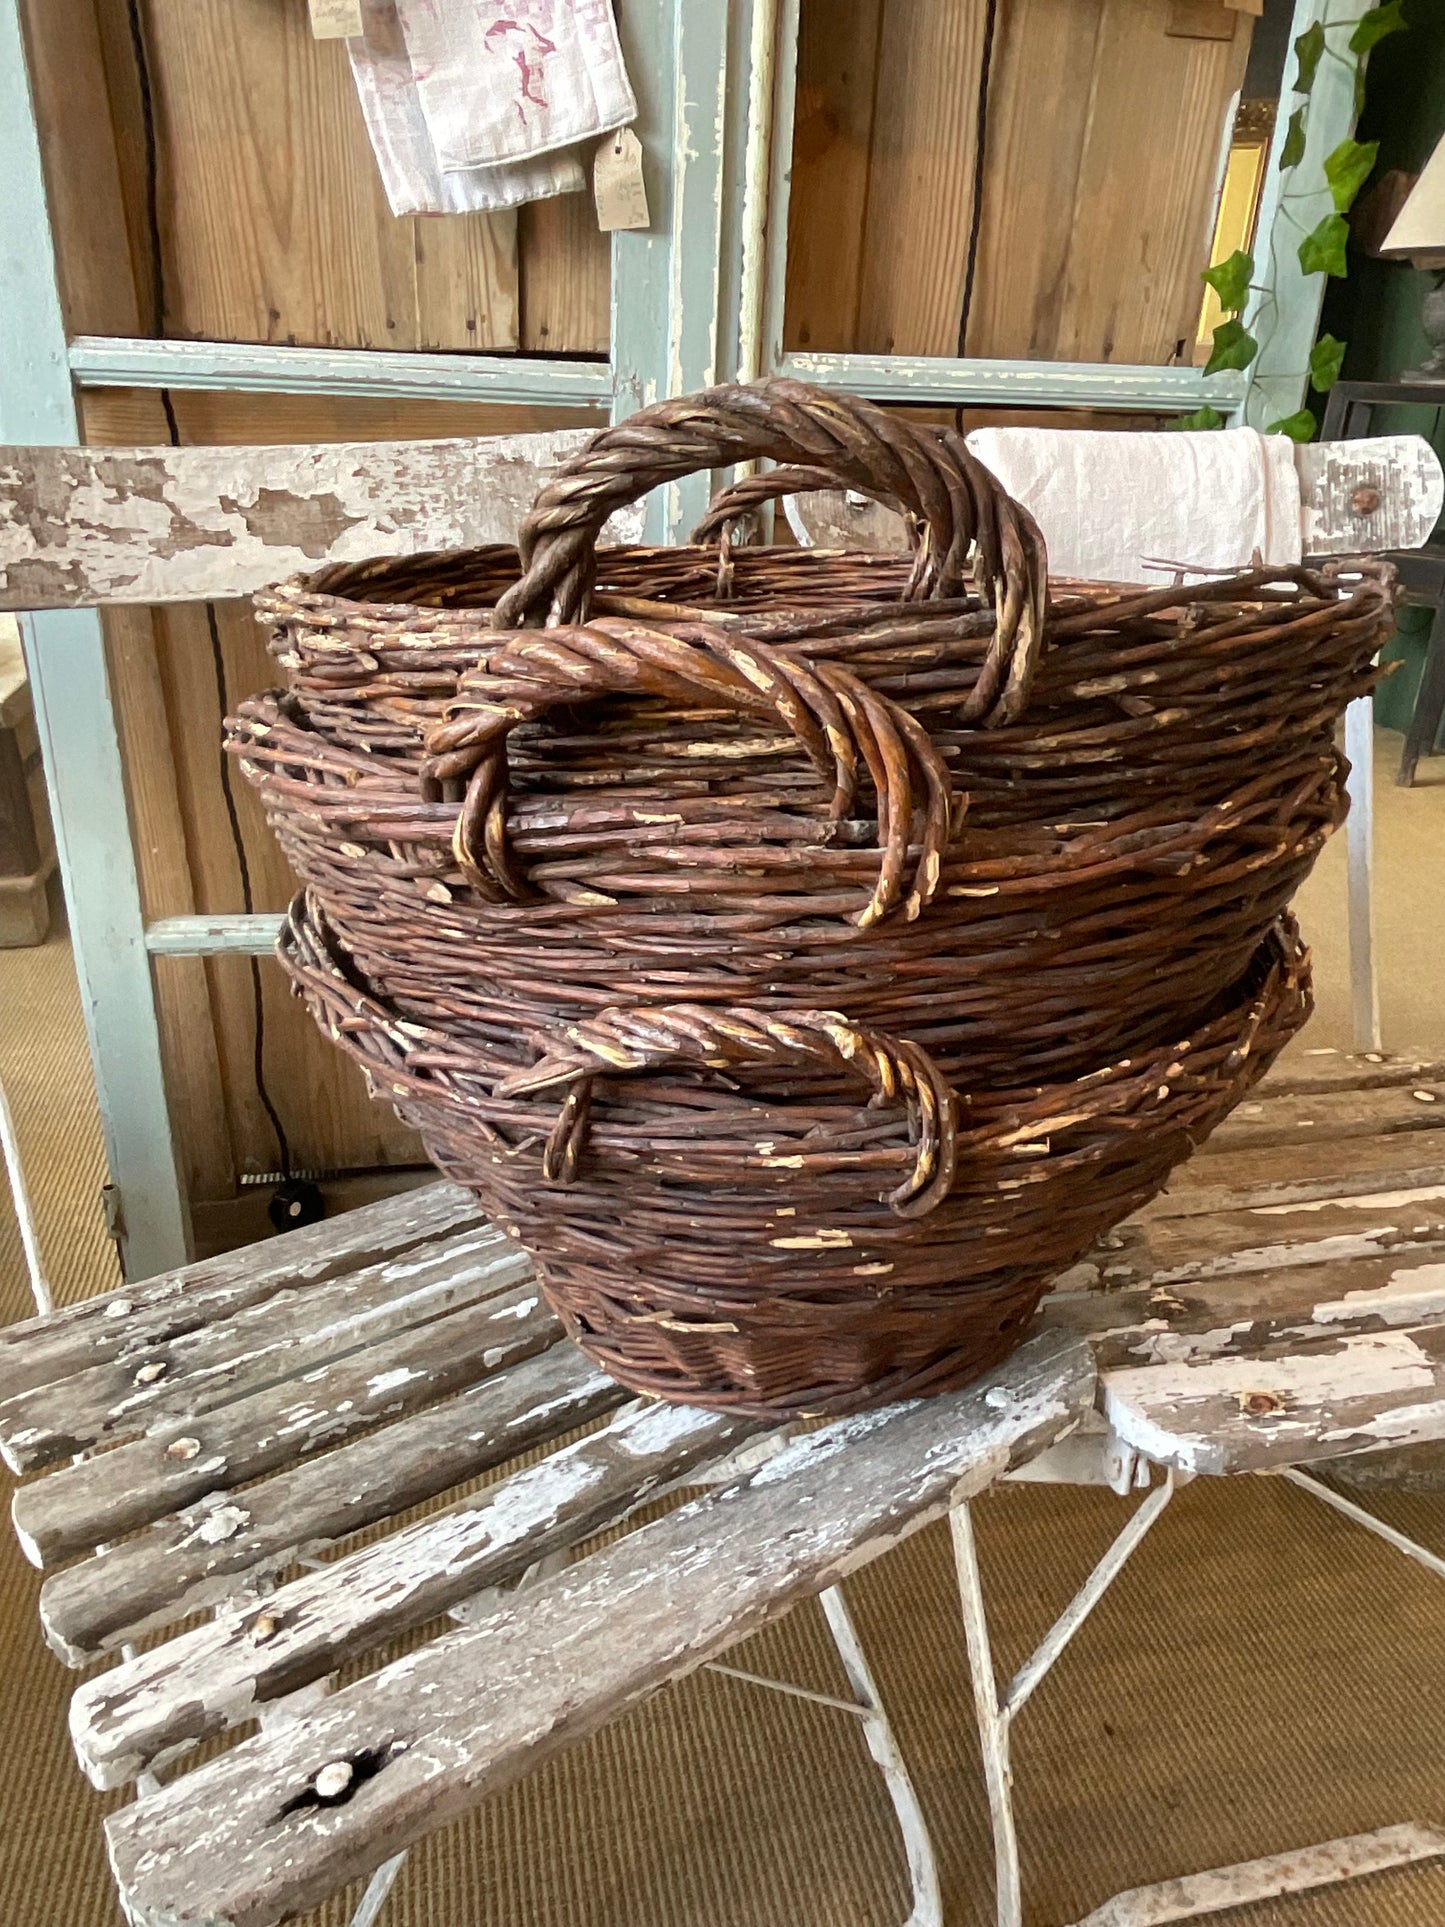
(867, 1707)
(377, 1889)
(1189, 1896)
(878, 1732)
(995, 1716)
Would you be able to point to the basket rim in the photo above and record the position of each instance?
(319, 596)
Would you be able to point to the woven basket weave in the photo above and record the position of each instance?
(806, 955)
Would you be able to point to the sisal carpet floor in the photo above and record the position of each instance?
(1265, 1675)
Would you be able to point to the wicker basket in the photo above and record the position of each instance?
(806, 955)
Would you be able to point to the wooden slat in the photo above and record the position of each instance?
(1246, 1238)
(296, 1330)
(1299, 1172)
(1412, 1108)
(1351, 1394)
(43, 1351)
(1276, 1312)
(239, 1844)
(146, 525)
(198, 1558)
(81, 1506)
(222, 1673)
(82, 172)
(1318, 1072)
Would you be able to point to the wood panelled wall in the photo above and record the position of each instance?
(1094, 192)
(272, 227)
(1096, 180)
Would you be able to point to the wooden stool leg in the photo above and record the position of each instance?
(1429, 704)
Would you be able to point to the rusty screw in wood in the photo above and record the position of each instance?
(1260, 1404)
(183, 1449)
(1365, 501)
(148, 1374)
(263, 1627)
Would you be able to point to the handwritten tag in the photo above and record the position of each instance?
(617, 183)
(336, 19)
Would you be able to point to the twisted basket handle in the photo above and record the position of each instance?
(843, 726)
(644, 1038)
(966, 512)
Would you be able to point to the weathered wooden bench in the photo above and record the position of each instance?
(206, 1436)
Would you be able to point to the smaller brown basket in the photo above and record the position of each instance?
(930, 1226)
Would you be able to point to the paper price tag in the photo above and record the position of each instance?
(617, 183)
(336, 19)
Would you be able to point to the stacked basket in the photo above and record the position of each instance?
(805, 955)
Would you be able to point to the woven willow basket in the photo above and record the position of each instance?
(806, 955)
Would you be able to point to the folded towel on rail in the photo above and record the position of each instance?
(1124, 507)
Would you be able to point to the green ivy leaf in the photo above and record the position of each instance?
(1322, 251)
(1348, 168)
(1230, 280)
(1205, 417)
(1293, 151)
(1308, 51)
(1326, 359)
(1234, 347)
(1300, 427)
(1374, 26)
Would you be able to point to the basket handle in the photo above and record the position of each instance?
(843, 726)
(649, 1038)
(966, 513)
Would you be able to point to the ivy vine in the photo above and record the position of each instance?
(1321, 250)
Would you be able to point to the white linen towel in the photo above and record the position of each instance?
(410, 170)
(1127, 507)
(502, 80)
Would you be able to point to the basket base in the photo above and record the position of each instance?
(813, 1370)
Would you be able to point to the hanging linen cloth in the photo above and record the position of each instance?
(480, 104)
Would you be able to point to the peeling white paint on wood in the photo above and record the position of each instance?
(213, 1677)
(164, 1573)
(1366, 1201)
(1241, 1414)
(80, 526)
(467, 1714)
(43, 1351)
(293, 1329)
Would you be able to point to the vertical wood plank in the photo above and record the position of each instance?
(565, 272)
(1145, 202)
(82, 167)
(1093, 237)
(833, 135)
(1046, 50)
(921, 172)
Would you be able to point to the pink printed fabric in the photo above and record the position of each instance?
(503, 81)
(410, 169)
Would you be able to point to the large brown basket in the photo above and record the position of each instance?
(806, 955)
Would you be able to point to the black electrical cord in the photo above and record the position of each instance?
(248, 903)
(980, 154)
(158, 318)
